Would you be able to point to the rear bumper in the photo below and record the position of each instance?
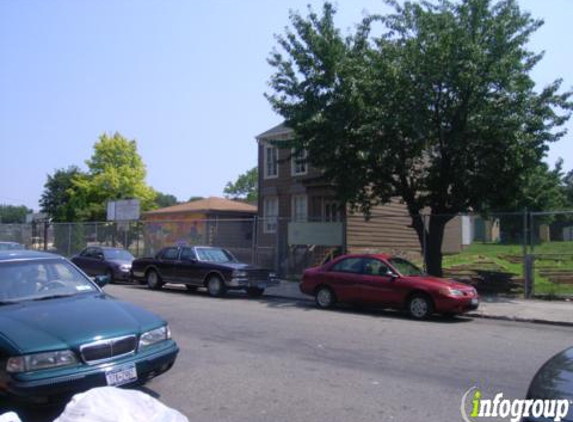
(40, 389)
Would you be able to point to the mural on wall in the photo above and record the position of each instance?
(159, 234)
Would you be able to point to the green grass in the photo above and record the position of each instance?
(550, 256)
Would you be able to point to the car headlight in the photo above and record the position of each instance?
(154, 336)
(239, 273)
(272, 275)
(37, 361)
(125, 267)
(451, 292)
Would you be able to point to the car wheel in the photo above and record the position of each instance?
(255, 292)
(215, 286)
(154, 280)
(325, 297)
(109, 274)
(420, 306)
(191, 288)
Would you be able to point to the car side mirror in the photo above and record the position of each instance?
(101, 280)
(393, 276)
(192, 260)
(99, 257)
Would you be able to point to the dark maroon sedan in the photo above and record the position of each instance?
(388, 281)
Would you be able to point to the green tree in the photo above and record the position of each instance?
(10, 214)
(116, 171)
(195, 198)
(163, 200)
(56, 200)
(438, 110)
(568, 189)
(245, 187)
(543, 189)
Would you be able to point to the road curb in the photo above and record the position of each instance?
(470, 314)
(520, 319)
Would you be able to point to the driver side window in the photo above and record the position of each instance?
(374, 267)
(170, 254)
(187, 254)
(348, 265)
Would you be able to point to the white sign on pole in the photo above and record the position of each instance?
(123, 210)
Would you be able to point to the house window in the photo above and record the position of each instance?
(331, 211)
(271, 162)
(299, 208)
(298, 162)
(271, 213)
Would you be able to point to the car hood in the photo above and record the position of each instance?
(555, 379)
(119, 262)
(69, 322)
(438, 283)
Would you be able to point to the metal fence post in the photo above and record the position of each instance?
(424, 240)
(69, 240)
(529, 276)
(254, 243)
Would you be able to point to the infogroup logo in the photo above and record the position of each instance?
(514, 410)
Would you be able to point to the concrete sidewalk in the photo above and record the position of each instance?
(510, 309)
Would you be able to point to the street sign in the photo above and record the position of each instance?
(123, 210)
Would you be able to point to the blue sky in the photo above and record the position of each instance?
(184, 78)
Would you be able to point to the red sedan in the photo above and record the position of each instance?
(389, 281)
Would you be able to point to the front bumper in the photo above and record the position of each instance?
(245, 283)
(457, 305)
(121, 274)
(44, 386)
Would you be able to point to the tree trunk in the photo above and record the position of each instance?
(430, 230)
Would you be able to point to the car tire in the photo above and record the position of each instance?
(216, 286)
(325, 297)
(420, 306)
(153, 279)
(190, 288)
(255, 292)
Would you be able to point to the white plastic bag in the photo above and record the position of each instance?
(110, 404)
(9, 417)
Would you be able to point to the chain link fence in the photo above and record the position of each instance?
(519, 253)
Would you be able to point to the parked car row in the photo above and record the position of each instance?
(379, 279)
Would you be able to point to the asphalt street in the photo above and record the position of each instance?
(273, 359)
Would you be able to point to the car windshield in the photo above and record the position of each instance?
(215, 255)
(40, 279)
(117, 255)
(405, 267)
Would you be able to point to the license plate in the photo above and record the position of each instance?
(475, 301)
(121, 375)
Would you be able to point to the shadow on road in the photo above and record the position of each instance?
(279, 302)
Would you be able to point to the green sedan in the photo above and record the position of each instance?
(61, 334)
